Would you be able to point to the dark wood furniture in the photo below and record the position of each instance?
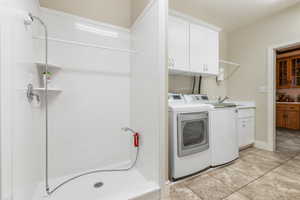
(288, 116)
(288, 72)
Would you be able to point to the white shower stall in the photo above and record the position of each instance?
(103, 78)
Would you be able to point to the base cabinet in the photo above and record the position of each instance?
(288, 116)
(246, 131)
(246, 127)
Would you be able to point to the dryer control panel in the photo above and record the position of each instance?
(176, 98)
(196, 98)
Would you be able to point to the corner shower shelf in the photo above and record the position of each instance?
(53, 69)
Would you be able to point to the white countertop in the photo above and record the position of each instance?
(187, 107)
(244, 104)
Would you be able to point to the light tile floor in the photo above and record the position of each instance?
(257, 175)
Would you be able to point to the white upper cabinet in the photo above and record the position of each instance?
(198, 53)
(178, 43)
(212, 48)
(204, 49)
(193, 47)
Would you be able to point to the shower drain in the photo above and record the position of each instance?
(98, 185)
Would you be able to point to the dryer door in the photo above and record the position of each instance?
(192, 133)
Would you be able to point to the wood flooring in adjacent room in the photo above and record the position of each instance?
(257, 175)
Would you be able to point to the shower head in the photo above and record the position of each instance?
(28, 19)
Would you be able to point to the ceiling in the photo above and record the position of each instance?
(231, 14)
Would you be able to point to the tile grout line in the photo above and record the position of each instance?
(267, 172)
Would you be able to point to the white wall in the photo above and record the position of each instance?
(248, 46)
(145, 80)
(20, 138)
(86, 118)
(137, 7)
(109, 11)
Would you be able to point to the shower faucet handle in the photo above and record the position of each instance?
(31, 94)
(136, 136)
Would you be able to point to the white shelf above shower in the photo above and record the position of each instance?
(51, 67)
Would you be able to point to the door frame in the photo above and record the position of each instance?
(271, 65)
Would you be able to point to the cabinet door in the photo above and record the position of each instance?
(295, 72)
(292, 120)
(246, 130)
(280, 118)
(283, 73)
(198, 43)
(204, 49)
(212, 48)
(178, 43)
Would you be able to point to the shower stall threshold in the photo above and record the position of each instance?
(103, 186)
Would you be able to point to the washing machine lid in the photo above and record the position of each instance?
(190, 107)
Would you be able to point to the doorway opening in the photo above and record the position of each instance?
(284, 97)
(288, 99)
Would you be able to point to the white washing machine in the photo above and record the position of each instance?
(189, 137)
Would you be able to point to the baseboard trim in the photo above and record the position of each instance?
(246, 147)
(263, 145)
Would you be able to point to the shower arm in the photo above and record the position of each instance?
(28, 21)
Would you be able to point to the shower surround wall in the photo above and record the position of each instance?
(109, 78)
(105, 73)
(20, 130)
(86, 118)
(145, 84)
